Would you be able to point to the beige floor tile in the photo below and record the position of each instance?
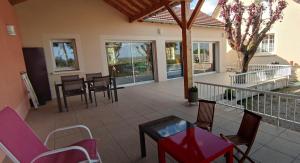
(115, 125)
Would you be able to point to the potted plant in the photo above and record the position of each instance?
(193, 94)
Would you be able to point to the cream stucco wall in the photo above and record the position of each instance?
(287, 34)
(287, 44)
(91, 23)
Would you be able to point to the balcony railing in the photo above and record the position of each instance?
(261, 73)
(276, 107)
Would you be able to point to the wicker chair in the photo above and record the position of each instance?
(73, 88)
(205, 116)
(246, 135)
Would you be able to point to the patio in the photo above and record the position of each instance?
(115, 126)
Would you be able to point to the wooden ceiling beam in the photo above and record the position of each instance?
(135, 5)
(195, 14)
(147, 2)
(14, 2)
(114, 4)
(155, 7)
(175, 17)
(128, 7)
(143, 3)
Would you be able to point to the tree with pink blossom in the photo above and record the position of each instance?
(247, 25)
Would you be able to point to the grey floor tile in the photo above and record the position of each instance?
(284, 146)
(267, 155)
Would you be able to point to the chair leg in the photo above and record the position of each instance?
(81, 97)
(86, 100)
(104, 94)
(95, 98)
(111, 96)
(108, 93)
(65, 101)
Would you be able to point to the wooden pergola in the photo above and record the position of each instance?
(137, 10)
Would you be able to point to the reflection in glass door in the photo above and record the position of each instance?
(130, 62)
(174, 59)
(203, 57)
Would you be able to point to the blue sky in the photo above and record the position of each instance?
(208, 6)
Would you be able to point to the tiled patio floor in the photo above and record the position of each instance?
(115, 126)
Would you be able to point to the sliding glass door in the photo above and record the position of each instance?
(130, 61)
(174, 59)
(203, 57)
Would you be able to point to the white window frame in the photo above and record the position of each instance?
(268, 52)
(66, 69)
(199, 49)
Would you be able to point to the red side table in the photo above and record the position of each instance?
(195, 145)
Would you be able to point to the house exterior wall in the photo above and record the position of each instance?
(13, 93)
(91, 23)
(287, 44)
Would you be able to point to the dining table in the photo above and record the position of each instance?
(58, 87)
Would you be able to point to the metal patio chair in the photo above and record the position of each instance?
(73, 88)
(101, 84)
(89, 78)
(21, 144)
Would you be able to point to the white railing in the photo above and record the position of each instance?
(256, 67)
(278, 107)
(261, 73)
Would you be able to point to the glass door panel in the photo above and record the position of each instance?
(120, 61)
(174, 60)
(142, 61)
(203, 57)
(130, 62)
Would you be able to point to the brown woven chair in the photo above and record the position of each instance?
(206, 113)
(89, 78)
(246, 135)
(69, 77)
(73, 88)
(101, 84)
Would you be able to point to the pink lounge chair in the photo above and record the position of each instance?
(21, 144)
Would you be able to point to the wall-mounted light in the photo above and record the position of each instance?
(159, 31)
(11, 30)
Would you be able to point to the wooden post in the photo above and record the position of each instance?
(186, 49)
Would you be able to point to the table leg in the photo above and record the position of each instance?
(161, 155)
(115, 89)
(90, 93)
(229, 156)
(58, 98)
(142, 142)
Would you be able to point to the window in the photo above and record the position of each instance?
(174, 61)
(65, 55)
(267, 44)
(130, 61)
(203, 57)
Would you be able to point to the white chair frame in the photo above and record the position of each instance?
(55, 151)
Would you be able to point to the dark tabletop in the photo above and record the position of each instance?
(165, 127)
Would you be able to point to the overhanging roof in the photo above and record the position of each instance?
(201, 20)
(139, 9)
